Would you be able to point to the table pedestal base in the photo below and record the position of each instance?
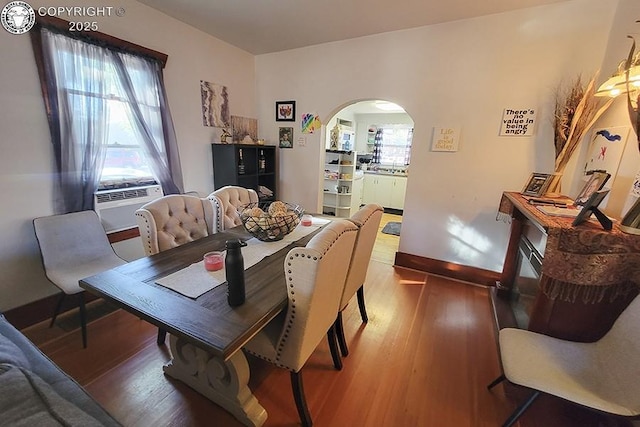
(223, 382)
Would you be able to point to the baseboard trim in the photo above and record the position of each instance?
(40, 310)
(447, 269)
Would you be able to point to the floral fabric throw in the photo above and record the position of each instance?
(581, 262)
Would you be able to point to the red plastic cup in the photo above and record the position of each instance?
(213, 261)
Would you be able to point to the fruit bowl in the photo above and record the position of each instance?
(272, 222)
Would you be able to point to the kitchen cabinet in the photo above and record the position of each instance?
(356, 196)
(385, 190)
(226, 158)
(338, 196)
(398, 192)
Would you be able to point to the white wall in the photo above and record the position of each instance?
(26, 166)
(461, 73)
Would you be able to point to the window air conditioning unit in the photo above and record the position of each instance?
(116, 208)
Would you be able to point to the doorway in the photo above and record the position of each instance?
(378, 134)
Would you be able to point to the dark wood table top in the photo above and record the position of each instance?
(208, 321)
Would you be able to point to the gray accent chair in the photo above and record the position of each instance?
(601, 375)
(74, 246)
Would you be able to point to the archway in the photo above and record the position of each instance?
(380, 134)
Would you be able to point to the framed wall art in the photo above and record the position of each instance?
(285, 137)
(285, 111)
(537, 184)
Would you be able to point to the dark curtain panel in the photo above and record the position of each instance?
(377, 147)
(78, 134)
(141, 87)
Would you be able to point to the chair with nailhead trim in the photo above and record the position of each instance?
(226, 201)
(315, 277)
(171, 221)
(368, 220)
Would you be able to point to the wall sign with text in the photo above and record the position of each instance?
(445, 138)
(518, 122)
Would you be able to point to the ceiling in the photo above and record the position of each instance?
(265, 26)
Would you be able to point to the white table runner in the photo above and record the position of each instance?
(195, 280)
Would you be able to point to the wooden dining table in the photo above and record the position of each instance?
(206, 334)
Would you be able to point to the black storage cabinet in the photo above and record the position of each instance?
(225, 167)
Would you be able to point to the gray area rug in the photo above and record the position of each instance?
(392, 228)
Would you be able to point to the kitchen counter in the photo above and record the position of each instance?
(398, 174)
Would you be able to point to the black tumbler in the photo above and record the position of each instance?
(234, 268)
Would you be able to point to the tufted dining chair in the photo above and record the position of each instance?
(171, 221)
(368, 220)
(601, 375)
(74, 246)
(314, 277)
(226, 201)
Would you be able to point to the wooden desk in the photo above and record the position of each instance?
(206, 333)
(588, 275)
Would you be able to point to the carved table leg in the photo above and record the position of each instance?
(223, 382)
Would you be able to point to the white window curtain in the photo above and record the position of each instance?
(80, 79)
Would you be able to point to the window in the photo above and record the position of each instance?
(126, 162)
(108, 116)
(392, 144)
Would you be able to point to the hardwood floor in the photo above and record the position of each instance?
(424, 359)
(386, 245)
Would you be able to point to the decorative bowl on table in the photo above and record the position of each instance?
(270, 222)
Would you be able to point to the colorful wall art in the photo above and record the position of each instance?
(310, 123)
(606, 148)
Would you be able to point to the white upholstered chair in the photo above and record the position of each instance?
(601, 375)
(315, 277)
(226, 201)
(74, 246)
(171, 221)
(368, 220)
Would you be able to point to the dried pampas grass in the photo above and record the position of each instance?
(576, 110)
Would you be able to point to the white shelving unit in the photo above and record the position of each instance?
(339, 174)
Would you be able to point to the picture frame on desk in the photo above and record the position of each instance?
(594, 184)
(537, 184)
(591, 206)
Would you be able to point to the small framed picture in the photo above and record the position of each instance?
(285, 136)
(285, 111)
(595, 183)
(591, 206)
(537, 184)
